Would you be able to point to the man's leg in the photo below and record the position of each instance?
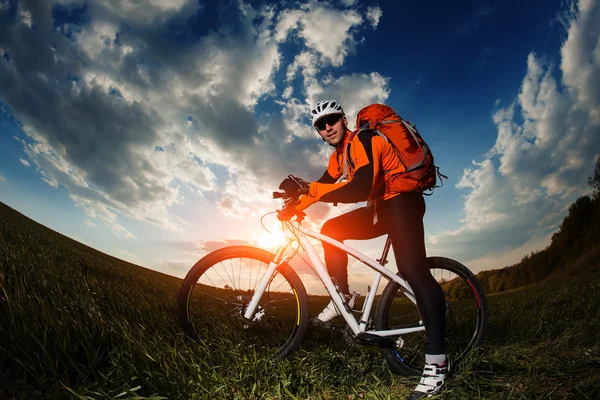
(403, 216)
(354, 225)
(358, 225)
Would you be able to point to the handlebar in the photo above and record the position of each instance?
(280, 195)
(289, 207)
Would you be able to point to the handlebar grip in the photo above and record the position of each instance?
(280, 195)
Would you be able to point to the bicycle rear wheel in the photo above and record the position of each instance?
(217, 290)
(466, 317)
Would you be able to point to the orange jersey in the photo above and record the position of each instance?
(374, 167)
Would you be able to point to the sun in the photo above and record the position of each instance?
(273, 240)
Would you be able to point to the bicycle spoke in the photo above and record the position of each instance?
(240, 275)
(250, 272)
(258, 277)
(210, 280)
(228, 277)
(213, 297)
(274, 290)
(233, 275)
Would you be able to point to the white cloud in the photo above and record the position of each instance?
(151, 11)
(287, 22)
(374, 15)
(325, 30)
(177, 267)
(307, 63)
(2, 179)
(109, 218)
(50, 182)
(232, 207)
(580, 61)
(287, 93)
(294, 114)
(520, 192)
(98, 39)
(24, 162)
(127, 256)
(26, 18)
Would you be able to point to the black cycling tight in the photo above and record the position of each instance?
(401, 217)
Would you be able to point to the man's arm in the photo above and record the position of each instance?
(326, 178)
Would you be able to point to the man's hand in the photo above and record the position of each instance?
(294, 186)
(304, 202)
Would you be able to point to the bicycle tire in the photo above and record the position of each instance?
(466, 317)
(212, 299)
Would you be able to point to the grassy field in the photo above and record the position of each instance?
(79, 324)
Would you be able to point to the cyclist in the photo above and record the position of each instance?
(400, 215)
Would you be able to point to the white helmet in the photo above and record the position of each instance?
(323, 108)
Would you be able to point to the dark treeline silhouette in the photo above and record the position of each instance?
(574, 248)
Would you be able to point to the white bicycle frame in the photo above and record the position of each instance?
(357, 326)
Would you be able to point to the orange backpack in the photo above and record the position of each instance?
(414, 154)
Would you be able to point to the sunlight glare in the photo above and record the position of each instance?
(273, 240)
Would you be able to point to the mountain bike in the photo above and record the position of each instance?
(247, 297)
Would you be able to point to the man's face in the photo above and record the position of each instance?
(332, 128)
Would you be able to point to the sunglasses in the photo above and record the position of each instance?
(330, 120)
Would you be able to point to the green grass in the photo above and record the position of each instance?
(78, 324)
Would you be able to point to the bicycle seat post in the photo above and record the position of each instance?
(386, 249)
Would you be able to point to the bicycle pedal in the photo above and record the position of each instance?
(350, 339)
(349, 302)
(369, 339)
(316, 322)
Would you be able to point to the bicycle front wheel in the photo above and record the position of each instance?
(217, 290)
(466, 317)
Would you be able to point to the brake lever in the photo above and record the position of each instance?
(300, 216)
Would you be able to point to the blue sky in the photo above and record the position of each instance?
(156, 133)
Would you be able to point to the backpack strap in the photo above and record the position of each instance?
(347, 156)
(439, 177)
(412, 130)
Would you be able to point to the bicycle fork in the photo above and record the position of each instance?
(264, 282)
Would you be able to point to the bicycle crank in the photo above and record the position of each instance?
(369, 339)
